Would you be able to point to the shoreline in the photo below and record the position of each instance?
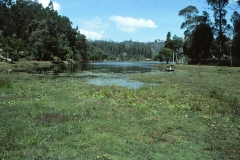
(24, 64)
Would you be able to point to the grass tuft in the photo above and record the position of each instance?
(6, 83)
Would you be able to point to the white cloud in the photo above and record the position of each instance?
(129, 24)
(95, 23)
(92, 28)
(56, 6)
(92, 34)
(45, 3)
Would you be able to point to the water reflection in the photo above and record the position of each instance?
(101, 73)
(113, 67)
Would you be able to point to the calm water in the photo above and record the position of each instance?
(100, 71)
(120, 81)
(113, 67)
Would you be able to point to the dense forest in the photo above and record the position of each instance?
(126, 50)
(30, 31)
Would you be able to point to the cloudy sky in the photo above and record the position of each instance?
(137, 20)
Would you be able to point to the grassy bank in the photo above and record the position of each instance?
(192, 113)
(23, 65)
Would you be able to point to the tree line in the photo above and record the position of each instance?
(28, 30)
(126, 50)
(203, 38)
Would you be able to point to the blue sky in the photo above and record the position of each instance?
(137, 20)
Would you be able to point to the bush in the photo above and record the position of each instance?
(15, 56)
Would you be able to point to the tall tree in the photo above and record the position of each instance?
(165, 55)
(197, 43)
(81, 46)
(178, 44)
(221, 27)
(189, 13)
(168, 36)
(202, 39)
(36, 40)
(236, 35)
(174, 44)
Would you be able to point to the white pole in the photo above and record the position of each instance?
(173, 58)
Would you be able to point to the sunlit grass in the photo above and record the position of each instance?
(185, 115)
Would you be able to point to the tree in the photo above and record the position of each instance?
(202, 39)
(175, 44)
(220, 27)
(165, 55)
(7, 2)
(168, 36)
(236, 35)
(40, 31)
(189, 13)
(197, 43)
(178, 43)
(82, 46)
(36, 40)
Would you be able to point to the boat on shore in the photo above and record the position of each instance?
(169, 69)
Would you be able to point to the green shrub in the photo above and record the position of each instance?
(15, 56)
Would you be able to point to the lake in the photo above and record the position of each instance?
(112, 67)
(101, 73)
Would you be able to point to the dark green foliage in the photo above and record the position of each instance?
(189, 13)
(113, 50)
(220, 27)
(168, 36)
(236, 35)
(170, 46)
(165, 55)
(40, 32)
(15, 56)
(202, 38)
(43, 34)
(199, 33)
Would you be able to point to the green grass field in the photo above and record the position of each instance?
(191, 113)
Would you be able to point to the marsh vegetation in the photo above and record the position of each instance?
(192, 113)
